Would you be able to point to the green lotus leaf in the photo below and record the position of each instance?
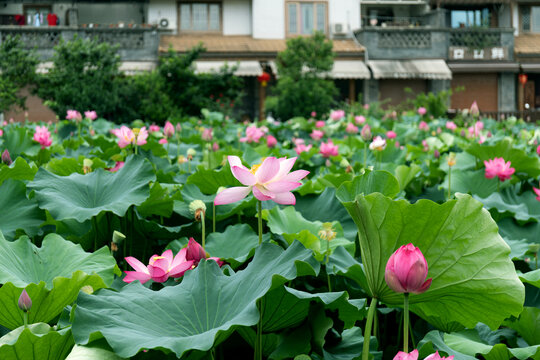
(158, 203)
(509, 229)
(36, 342)
(527, 325)
(97, 350)
(81, 197)
(474, 279)
(18, 140)
(522, 207)
(532, 277)
(52, 276)
(188, 316)
(467, 181)
(209, 181)
(405, 174)
(18, 212)
(235, 245)
(19, 170)
(522, 162)
(370, 182)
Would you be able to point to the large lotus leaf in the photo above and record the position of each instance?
(522, 162)
(19, 170)
(474, 279)
(509, 229)
(522, 207)
(68, 165)
(81, 197)
(188, 316)
(158, 203)
(36, 342)
(97, 350)
(235, 245)
(18, 212)
(527, 325)
(370, 182)
(52, 276)
(209, 181)
(467, 181)
(532, 277)
(405, 174)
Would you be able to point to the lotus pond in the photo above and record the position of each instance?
(356, 236)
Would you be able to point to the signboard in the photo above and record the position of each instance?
(467, 53)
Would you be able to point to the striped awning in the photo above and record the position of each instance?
(434, 69)
(245, 68)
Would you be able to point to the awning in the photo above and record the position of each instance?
(343, 69)
(410, 69)
(245, 68)
(464, 67)
(530, 67)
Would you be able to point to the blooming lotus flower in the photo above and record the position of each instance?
(337, 114)
(73, 115)
(413, 355)
(537, 149)
(163, 141)
(359, 119)
(298, 141)
(319, 124)
(168, 129)
(270, 180)
(450, 125)
(24, 302)
(474, 110)
(537, 192)
(1, 132)
(271, 141)
(154, 128)
(366, 133)
(328, 149)
(422, 111)
(207, 134)
(423, 126)
(475, 130)
(378, 144)
(253, 134)
(127, 136)
(196, 253)
(351, 128)
(498, 167)
(436, 356)
(300, 148)
(160, 268)
(92, 115)
(43, 136)
(317, 134)
(391, 134)
(117, 166)
(406, 271)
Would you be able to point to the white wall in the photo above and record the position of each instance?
(163, 9)
(345, 12)
(236, 17)
(268, 19)
(11, 9)
(515, 19)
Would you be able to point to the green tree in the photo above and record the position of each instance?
(302, 86)
(17, 70)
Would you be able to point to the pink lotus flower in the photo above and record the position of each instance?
(215, 146)
(478, 126)
(391, 134)
(337, 114)
(366, 106)
(366, 133)
(73, 115)
(474, 110)
(160, 268)
(43, 136)
(178, 127)
(319, 124)
(271, 141)
(154, 128)
(270, 180)
(377, 144)
(423, 126)
(253, 134)
(537, 192)
(422, 111)
(127, 136)
(498, 167)
(24, 302)
(406, 271)
(196, 253)
(163, 141)
(298, 141)
(313, 114)
(351, 128)
(359, 119)
(92, 115)
(300, 148)
(317, 134)
(207, 134)
(537, 149)
(425, 145)
(168, 129)
(1, 132)
(450, 125)
(117, 166)
(6, 158)
(413, 355)
(436, 356)
(328, 149)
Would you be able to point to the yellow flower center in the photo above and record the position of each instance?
(327, 232)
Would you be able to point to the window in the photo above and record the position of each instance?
(204, 17)
(303, 17)
(530, 18)
(36, 15)
(470, 18)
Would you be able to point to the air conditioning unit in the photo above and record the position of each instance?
(339, 29)
(164, 23)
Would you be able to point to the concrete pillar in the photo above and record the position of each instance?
(507, 92)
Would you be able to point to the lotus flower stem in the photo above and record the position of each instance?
(449, 183)
(327, 260)
(203, 230)
(367, 330)
(168, 156)
(213, 217)
(259, 206)
(365, 154)
(406, 322)
(258, 355)
(25, 319)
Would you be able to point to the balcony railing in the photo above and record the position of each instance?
(139, 44)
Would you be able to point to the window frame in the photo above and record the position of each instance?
(531, 22)
(26, 7)
(299, 14)
(191, 30)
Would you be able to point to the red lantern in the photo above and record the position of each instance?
(522, 78)
(264, 78)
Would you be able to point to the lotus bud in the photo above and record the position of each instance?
(436, 153)
(406, 271)
(344, 163)
(87, 289)
(366, 133)
(25, 303)
(6, 159)
(87, 165)
(178, 127)
(196, 207)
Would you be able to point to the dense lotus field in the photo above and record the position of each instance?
(214, 239)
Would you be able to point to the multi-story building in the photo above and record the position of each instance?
(477, 48)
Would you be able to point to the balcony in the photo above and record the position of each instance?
(135, 44)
